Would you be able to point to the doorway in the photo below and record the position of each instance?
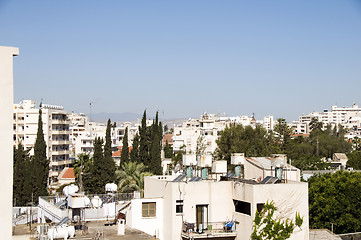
(201, 217)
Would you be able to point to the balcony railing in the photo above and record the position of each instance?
(61, 142)
(60, 152)
(210, 230)
(65, 132)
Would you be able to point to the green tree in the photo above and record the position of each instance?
(130, 177)
(82, 165)
(251, 141)
(335, 198)
(125, 149)
(168, 150)
(315, 124)
(134, 154)
(22, 186)
(108, 161)
(40, 163)
(284, 133)
(156, 147)
(144, 140)
(354, 160)
(94, 181)
(266, 226)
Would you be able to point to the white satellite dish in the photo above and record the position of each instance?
(96, 202)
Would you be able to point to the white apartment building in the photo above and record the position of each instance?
(180, 207)
(349, 117)
(6, 122)
(84, 139)
(205, 130)
(56, 132)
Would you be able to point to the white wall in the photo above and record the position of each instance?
(151, 225)
(289, 198)
(6, 138)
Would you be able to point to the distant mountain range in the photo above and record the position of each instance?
(115, 117)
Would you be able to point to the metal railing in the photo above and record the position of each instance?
(214, 228)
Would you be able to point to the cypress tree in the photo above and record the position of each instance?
(144, 141)
(125, 149)
(94, 181)
(134, 154)
(108, 172)
(40, 163)
(168, 150)
(155, 152)
(21, 185)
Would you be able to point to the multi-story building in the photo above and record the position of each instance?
(55, 128)
(202, 133)
(83, 140)
(349, 117)
(192, 207)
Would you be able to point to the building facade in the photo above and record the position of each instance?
(55, 128)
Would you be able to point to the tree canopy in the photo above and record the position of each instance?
(335, 199)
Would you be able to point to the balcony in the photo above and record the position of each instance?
(64, 132)
(61, 142)
(61, 121)
(58, 163)
(53, 173)
(60, 152)
(214, 230)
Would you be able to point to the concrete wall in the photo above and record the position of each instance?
(6, 138)
(289, 198)
(213, 194)
(151, 225)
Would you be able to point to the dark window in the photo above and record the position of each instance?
(242, 207)
(179, 206)
(260, 206)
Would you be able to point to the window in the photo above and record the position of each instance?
(242, 207)
(148, 209)
(179, 206)
(260, 206)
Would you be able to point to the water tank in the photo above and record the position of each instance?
(63, 232)
(237, 171)
(204, 173)
(237, 158)
(111, 187)
(189, 172)
(189, 160)
(219, 166)
(278, 160)
(204, 161)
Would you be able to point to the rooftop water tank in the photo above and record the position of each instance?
(111, 187)
(278, 160)
(189, 160)
(204, 161)
(237, 158)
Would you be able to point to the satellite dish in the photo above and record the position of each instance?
(86, 201)
(70, 190)
(177, 168)
(96, 202)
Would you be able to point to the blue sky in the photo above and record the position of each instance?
(280, 58)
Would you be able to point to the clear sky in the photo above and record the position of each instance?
(183, 58)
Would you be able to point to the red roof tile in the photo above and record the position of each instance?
(69, 173)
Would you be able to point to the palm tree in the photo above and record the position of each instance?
(130, 177)
(81, 165)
